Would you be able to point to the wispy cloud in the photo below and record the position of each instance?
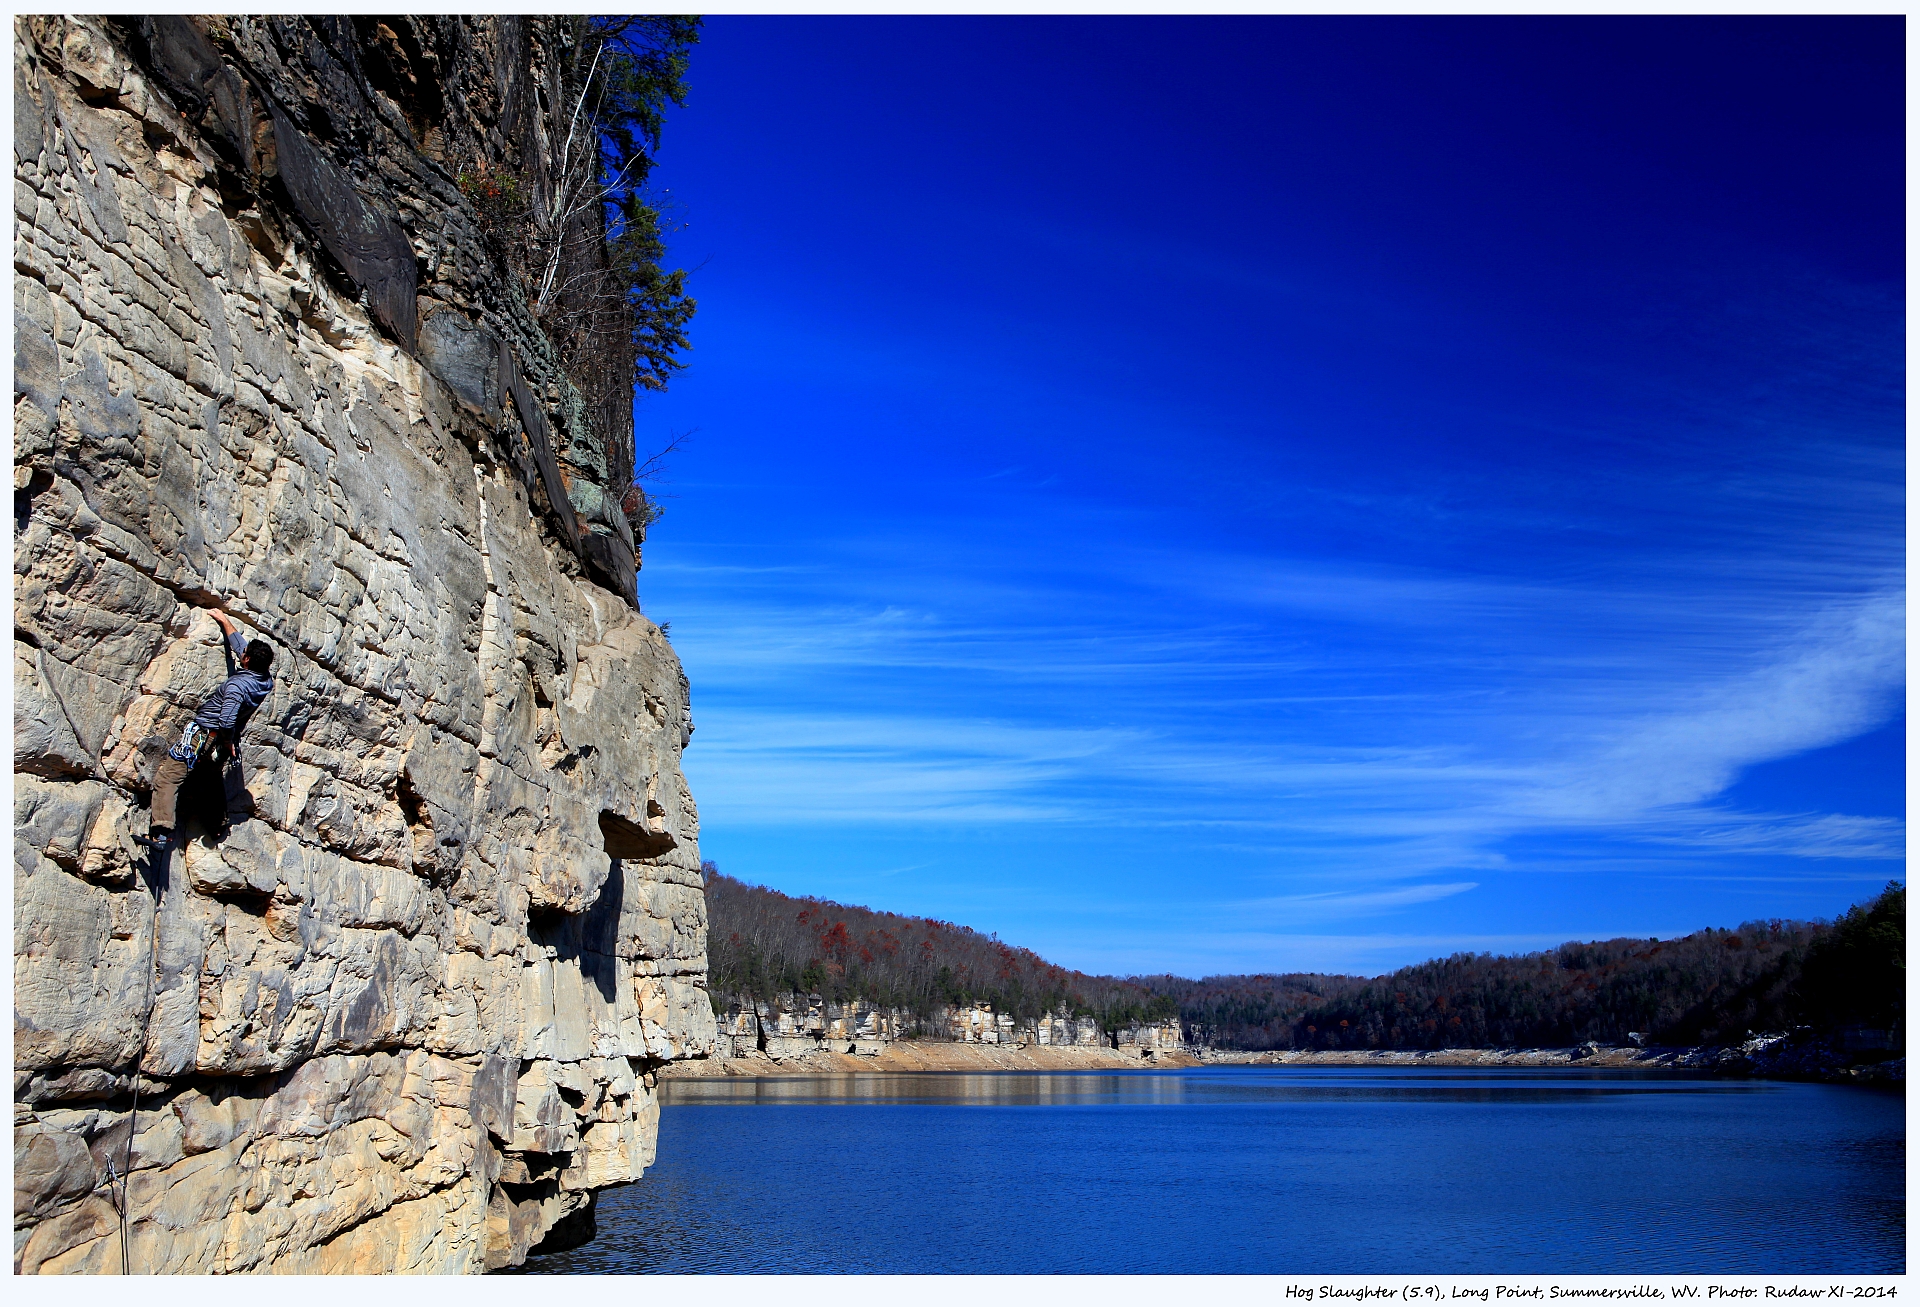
(1802, 835)
(894, 712)
(1341, 905)
(1123, 557)
(1837, 677)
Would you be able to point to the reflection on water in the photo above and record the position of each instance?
(961, 1089)
(1260, 1170)
(1211, 1085)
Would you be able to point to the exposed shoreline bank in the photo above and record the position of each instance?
(930, 1055)
(938, 1056)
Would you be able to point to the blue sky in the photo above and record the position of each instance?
(1274, 494)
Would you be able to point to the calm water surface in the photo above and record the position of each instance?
(1263, 1170)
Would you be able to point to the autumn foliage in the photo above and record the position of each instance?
(1713, 986)
(761, 942)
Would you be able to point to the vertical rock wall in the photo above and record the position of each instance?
(407, 1018)
(793, 1025)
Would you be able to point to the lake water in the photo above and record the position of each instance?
(1263, 1170)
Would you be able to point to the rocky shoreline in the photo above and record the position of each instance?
(1764, 1062)
(1766, 1057)
(929, 1055)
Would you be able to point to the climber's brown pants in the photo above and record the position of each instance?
(173, 773)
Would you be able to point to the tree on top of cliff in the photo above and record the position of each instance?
(645, 59)
(618, 78)
(588, 235)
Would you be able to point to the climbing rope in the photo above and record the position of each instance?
(121, 1207)
(133, 1120)
(140, 1055)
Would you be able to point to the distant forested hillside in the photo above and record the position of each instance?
(762, 942)
(1252, 1012)
(1711, 986)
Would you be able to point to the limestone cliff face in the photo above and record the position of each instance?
(794, 1025)
(407, 1018)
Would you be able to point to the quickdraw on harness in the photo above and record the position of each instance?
(195, 741)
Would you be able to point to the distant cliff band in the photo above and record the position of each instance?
(794, 1025)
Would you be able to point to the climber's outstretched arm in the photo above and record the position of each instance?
(235, 646)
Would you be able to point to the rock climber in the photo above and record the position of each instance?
(214, 730)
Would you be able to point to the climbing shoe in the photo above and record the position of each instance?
(159, 840)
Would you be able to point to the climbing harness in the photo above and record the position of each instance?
(193, 744)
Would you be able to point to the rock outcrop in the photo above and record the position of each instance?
(797, 1025)
(409, 1017)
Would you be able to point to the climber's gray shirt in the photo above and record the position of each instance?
(229, 707)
